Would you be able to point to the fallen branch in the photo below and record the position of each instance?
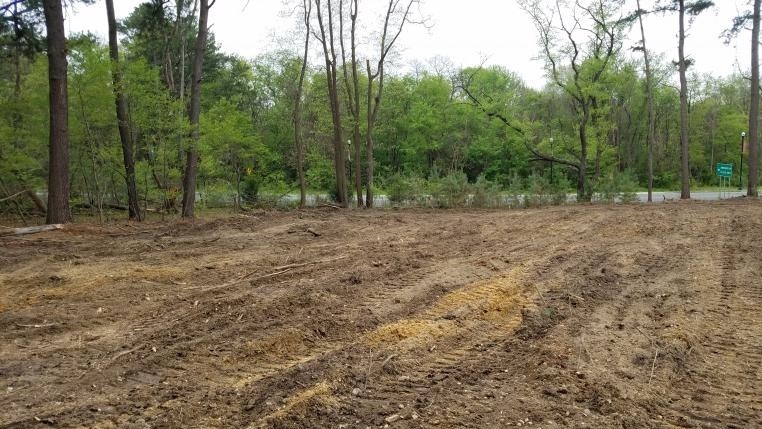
(286, 268)
(43, 325)
(273, 274)
(36, 201)
(653, 366)
(125, 352)
(10, 197)
(31, 230)
(392, 356)
(278, 271)
(323, 261)
(545, 303)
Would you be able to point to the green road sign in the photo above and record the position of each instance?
(724, 170)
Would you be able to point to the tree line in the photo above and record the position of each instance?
(157, 117)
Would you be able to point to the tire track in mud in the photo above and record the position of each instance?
(202, 349)
(440, 343)
(721, 389)
(461, 321)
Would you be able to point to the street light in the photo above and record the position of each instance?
(740, 173)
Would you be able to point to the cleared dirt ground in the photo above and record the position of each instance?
(600, 317)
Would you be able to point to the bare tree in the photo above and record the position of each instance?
(58, 174)
(326, 34)
(389, 35)
(353, 88)
(122, 117)
(650, 102)
(191, 165)
(297, 118)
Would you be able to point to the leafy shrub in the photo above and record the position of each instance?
(450, 191)
(515, 192)
(539, 192)
(400, 189)
(485, 193)
(616, 187)
(250, 188)
(665, 180)
(560, 188)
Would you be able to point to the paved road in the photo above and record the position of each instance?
(702, 196)
(658, 197)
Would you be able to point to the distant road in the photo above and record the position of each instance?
(658, 197)
(701, 196)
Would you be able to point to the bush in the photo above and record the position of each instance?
(665, 180)
(616, 187)
(539, 192)
(450, 191)
(516, 192)
(485, 193)
(250, 188)
(400, 189)
(559, 189)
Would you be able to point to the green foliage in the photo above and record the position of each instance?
(477, 125)
(486, 194)
(617, 187)
(401, 189)
(450, 191)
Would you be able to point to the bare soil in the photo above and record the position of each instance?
(631, 316)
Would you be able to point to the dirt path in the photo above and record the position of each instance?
(622, 317)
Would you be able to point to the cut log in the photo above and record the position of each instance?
(31, 229)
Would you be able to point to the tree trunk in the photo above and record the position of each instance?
(122, 117)
(191, 164)
(583, 193)
(298, 141)
(369, 167)
(651, 110)
(339, 151)
(58, 175)
(754, 106)
(685, 170)
(373, 106)
(16, 117)
(352, 87)
(356, 122)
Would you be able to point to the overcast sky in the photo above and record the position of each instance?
(463, 31)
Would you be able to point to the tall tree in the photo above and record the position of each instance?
(352, 86)
(20, 38)
(589, 60)
(754, 105)
(297, 116)
(682, 65)
(191, 164)
(58, 172)
(121, 116)
(326, 34)
(389, 37)
(683, 8)
(650, 104)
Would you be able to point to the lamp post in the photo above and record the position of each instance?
(552, 155)
(740, 173)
